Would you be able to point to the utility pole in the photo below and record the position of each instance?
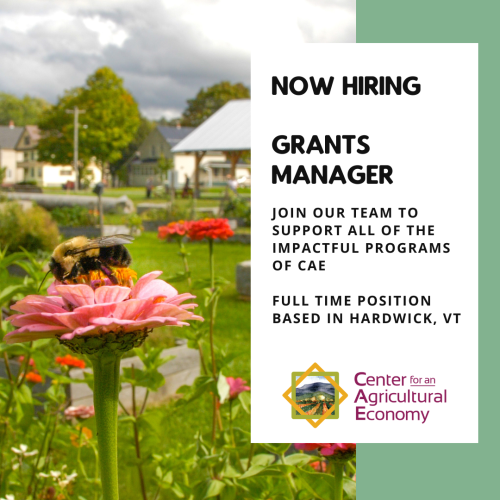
(76, 112)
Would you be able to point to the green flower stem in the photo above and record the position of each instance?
(137, 440)
(338, 468)
(182, 252)
(212, 322)
(106, 365)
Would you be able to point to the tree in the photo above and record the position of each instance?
(108, 126)
(164, 165)
(25, 111)
(3, 173)
(209, 100)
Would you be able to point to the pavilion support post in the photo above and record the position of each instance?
(198, 155)
(234, 156)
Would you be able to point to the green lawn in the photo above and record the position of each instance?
(138, 194)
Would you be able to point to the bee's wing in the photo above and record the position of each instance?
(105, 241)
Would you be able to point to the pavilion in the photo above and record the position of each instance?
(227, 130)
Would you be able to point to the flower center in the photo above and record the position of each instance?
(124, 275)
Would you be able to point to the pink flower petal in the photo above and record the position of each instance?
(28, 319)
(23, 304)
(108, 294)
(25, 334)
(131, 309)
(143, 281)
(178, 299)
(31, 307)
(80, 331)
(52, 290)
(77, 295)
(158, 288)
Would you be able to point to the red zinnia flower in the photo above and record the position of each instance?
(210, 228)
(236, 386)
(33, 377)
(327, 449)
(179, 228)
(318, 466)
(69, 360)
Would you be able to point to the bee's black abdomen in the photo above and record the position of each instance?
(115, 256)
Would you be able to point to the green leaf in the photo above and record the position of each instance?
(24, 407)
(276, 448)
(350, 488)
(191, 393)
(151, 379)
(318, 484)
(298, 459)
(264, 459)
(244, 398)
(253, 471)
(176, 488)
(223, 388)
(215, 488)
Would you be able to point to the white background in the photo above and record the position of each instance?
(430, 140)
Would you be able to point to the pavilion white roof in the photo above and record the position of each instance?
(228, 129)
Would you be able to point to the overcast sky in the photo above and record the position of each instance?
(165, 50)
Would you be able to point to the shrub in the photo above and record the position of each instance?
(134, 223)
(76, 216)
(238, 208)
(32, 229)
(173, 213)
(27, 183)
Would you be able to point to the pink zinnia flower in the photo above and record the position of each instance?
(236, 386)
(326, 449)
(79, 412)
(92, 310)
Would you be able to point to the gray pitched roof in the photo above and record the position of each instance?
(228, 129)
(9, 137)
(174, 135)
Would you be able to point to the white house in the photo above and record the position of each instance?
(9, 155)
(43, 173)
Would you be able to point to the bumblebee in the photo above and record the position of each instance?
(79, 255)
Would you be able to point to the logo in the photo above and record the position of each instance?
(315, 395)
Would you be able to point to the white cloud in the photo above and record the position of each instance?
(109, 33)
(23, 23)
(164, 49)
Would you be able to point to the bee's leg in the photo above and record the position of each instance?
(109, 274)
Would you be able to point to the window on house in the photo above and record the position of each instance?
(153, 151)
(32, 172)
(216, 172)
(64, 172)
(26, 156)
(40, 172)
(27, 140)
(9, 174)
(33, 155)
